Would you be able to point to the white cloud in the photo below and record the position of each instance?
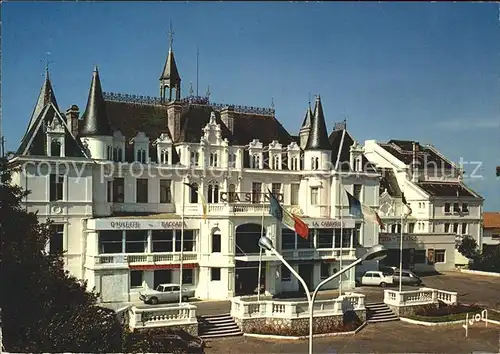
(466, 125)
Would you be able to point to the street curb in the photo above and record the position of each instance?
(336, 334)
(424, 323)
(478, 272)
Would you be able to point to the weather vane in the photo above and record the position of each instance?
(47, 62)
(171, 35)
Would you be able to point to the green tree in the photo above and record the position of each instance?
(468, 247)
(44, 309)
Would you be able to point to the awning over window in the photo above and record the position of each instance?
(163, 266)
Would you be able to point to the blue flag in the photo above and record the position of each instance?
(275, 208)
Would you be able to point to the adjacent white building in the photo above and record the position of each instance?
(491, 230)
(113, 181)
(444, 209)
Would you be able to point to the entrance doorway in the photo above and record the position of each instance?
(246, 278)
(306, 272)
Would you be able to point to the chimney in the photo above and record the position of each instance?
(72, 119)
(227, 117)
(415, 163)
(174, 111)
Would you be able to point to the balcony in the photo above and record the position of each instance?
(227, 209)
(319, 211)
(142, 208)
(125, 260)
(320, 254)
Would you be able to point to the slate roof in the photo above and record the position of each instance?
(403, 151)
(447, 189)
(131, 118)
(318, 134)
(491, 220)
(34, 142)
(95, 118)
(335, 139)
(389, 182)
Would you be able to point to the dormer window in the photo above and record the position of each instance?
(315, 163)
(110, 153)
(232, 160)
(117, 154)
(276, 162)
(255, 161)
(55, 148)
(195, 158)
(213, 159)
(164, 157)
(141, 155)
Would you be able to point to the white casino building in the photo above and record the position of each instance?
(112, 181)
(444, 209)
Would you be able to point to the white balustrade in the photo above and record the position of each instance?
(421, 296)
(168, 315)
(141, 258)
(249, 306)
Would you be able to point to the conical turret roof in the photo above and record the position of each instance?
(307, 119)
(95, 118)
(318, 136)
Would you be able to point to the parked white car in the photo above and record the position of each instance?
(378, 278)
(165, 293)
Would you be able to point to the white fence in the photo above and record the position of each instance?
(168, 315)
(248, 306)
(421, 296)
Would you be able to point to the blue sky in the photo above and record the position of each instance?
(427, 72)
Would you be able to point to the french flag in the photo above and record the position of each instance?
(360, 210)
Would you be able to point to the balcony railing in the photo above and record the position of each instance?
(115, 259)
(143, 207)
(226, 209)
(308, 254)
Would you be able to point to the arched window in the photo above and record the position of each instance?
(195, 158)
(231, 193)
(141, 155)
(55, 148)
(193, 193)
(164, 156)
(213, 192)
(232, 160)
(255, 161)
(276, 159)
(213, 159)
(117, 154)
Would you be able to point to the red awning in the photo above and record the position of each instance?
(162, 266)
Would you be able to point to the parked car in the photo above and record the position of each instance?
(408, 278)
(376, 277)
(165, 293)
(387, 270)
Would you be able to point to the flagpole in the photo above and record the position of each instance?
(182, 243)
(260, 251)
(341, 233)
(401, 255)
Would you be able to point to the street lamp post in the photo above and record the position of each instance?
(376, 252)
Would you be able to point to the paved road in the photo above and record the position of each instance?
(390, 337)
(471, 289)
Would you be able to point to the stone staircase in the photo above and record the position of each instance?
(379, 312)
(217, 326)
